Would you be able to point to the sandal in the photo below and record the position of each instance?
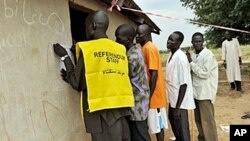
(246, 116)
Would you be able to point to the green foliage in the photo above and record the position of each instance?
(228, 13)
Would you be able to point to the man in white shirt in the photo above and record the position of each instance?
(231, 55)
(205, 82)
(179, 87)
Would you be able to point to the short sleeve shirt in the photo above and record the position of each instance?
(178, 73)
(138, 78)
(153, 62)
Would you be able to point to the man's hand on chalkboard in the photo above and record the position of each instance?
(59, 50)
(64, 75)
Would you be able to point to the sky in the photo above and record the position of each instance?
(171, 8)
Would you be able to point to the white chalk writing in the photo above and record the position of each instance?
(53, 20)
(14, 40)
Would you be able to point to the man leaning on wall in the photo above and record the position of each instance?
(101, 74)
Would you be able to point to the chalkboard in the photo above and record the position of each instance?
(35, 103)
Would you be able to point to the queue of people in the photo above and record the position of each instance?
(133, 97)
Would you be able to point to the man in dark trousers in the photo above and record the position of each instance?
(101, 73)
(231, 56)
(179, 87)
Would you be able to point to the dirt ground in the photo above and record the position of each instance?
(229, 107)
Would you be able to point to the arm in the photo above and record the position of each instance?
(238, 47)
(183, 71)
(152, 62)
(223, 55)
(204, 70)
(73, 51)
(75, 76)
(223, 52)
(181, 95)
(72, 75)
(132, 63)
(182, 91)
(239, 50)
(152, 82)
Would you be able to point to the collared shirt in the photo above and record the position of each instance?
(138, 78)
(177, 74)
(204, 75)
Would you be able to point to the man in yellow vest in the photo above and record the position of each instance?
(101, 73)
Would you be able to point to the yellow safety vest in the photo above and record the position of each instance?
(106, 72)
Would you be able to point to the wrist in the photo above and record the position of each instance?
(64, 57)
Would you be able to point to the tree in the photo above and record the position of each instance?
(228, 13)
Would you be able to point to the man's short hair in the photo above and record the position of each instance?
(198, 34)
(181, 36)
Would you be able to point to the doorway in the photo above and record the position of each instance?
(77, 20)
